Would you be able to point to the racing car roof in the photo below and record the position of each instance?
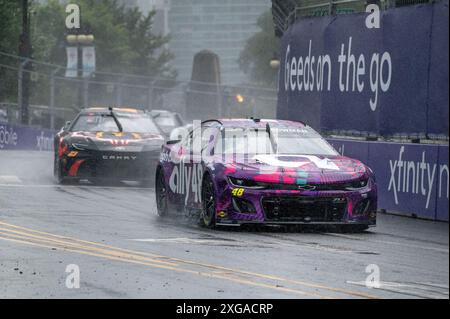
(103, 109)
(256, 123)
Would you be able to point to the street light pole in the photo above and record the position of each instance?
(20, 93)
(52, 98)
(24, 77)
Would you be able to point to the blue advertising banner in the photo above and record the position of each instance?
(14, 137)
(406, 177)
(443, 185)
(339, 73)
(353, 149)
(413, 179)
(438, 103)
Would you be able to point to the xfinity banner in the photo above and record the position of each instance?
(412, 178)
(383, 74)
(13, 137)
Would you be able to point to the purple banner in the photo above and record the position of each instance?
(413, 179)
(338, 74)
(442, 185)
(15, 137)
(353, 149)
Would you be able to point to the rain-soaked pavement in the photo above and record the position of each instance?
(123, 250)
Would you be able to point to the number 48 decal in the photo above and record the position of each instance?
(238, 192)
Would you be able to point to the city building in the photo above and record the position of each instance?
(161, 8)
(221, 26)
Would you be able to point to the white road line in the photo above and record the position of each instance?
(10, 180)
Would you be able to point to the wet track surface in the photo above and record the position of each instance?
(124, 250)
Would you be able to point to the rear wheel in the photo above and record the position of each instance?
(208, 215)
(57, 171)
(162, 206)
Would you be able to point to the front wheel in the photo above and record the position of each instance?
(208, 203)
(161, 194)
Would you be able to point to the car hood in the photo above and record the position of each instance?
(292, 168)
(116, 141)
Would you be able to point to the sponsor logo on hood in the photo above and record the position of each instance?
(120, 157)
(280, 161)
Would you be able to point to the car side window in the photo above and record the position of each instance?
(209, 135)
(189, 140)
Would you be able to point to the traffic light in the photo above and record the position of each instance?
(240, 98)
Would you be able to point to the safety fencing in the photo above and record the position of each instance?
(54, 98)
(343, 75)
(413, 179)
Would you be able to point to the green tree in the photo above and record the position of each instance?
(10, 22)
(255, 59)
(10, 18)
(149, 51)
(124, 40)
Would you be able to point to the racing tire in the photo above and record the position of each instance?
(58, 173)
(162, 203)
(208, 215)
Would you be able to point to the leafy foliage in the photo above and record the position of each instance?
(10, 17)
(123, 37)
(255, 59)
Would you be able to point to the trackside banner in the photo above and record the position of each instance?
(15, 137)
(412, 178)
(339, 73)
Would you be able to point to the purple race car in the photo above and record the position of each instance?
(235, 172)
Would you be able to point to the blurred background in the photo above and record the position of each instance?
(201, 59)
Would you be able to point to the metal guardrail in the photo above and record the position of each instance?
(286, 12)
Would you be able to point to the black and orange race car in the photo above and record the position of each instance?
(108, 144)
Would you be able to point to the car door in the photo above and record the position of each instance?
(196, 150)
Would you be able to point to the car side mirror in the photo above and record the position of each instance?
(66, 126)
(171, 142)
(179, 133)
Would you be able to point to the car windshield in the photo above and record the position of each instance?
(167, 120)
(274, 141)
(131, 122)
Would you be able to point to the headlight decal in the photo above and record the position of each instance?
(246, 183)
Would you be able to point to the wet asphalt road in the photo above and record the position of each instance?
(123, 250)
